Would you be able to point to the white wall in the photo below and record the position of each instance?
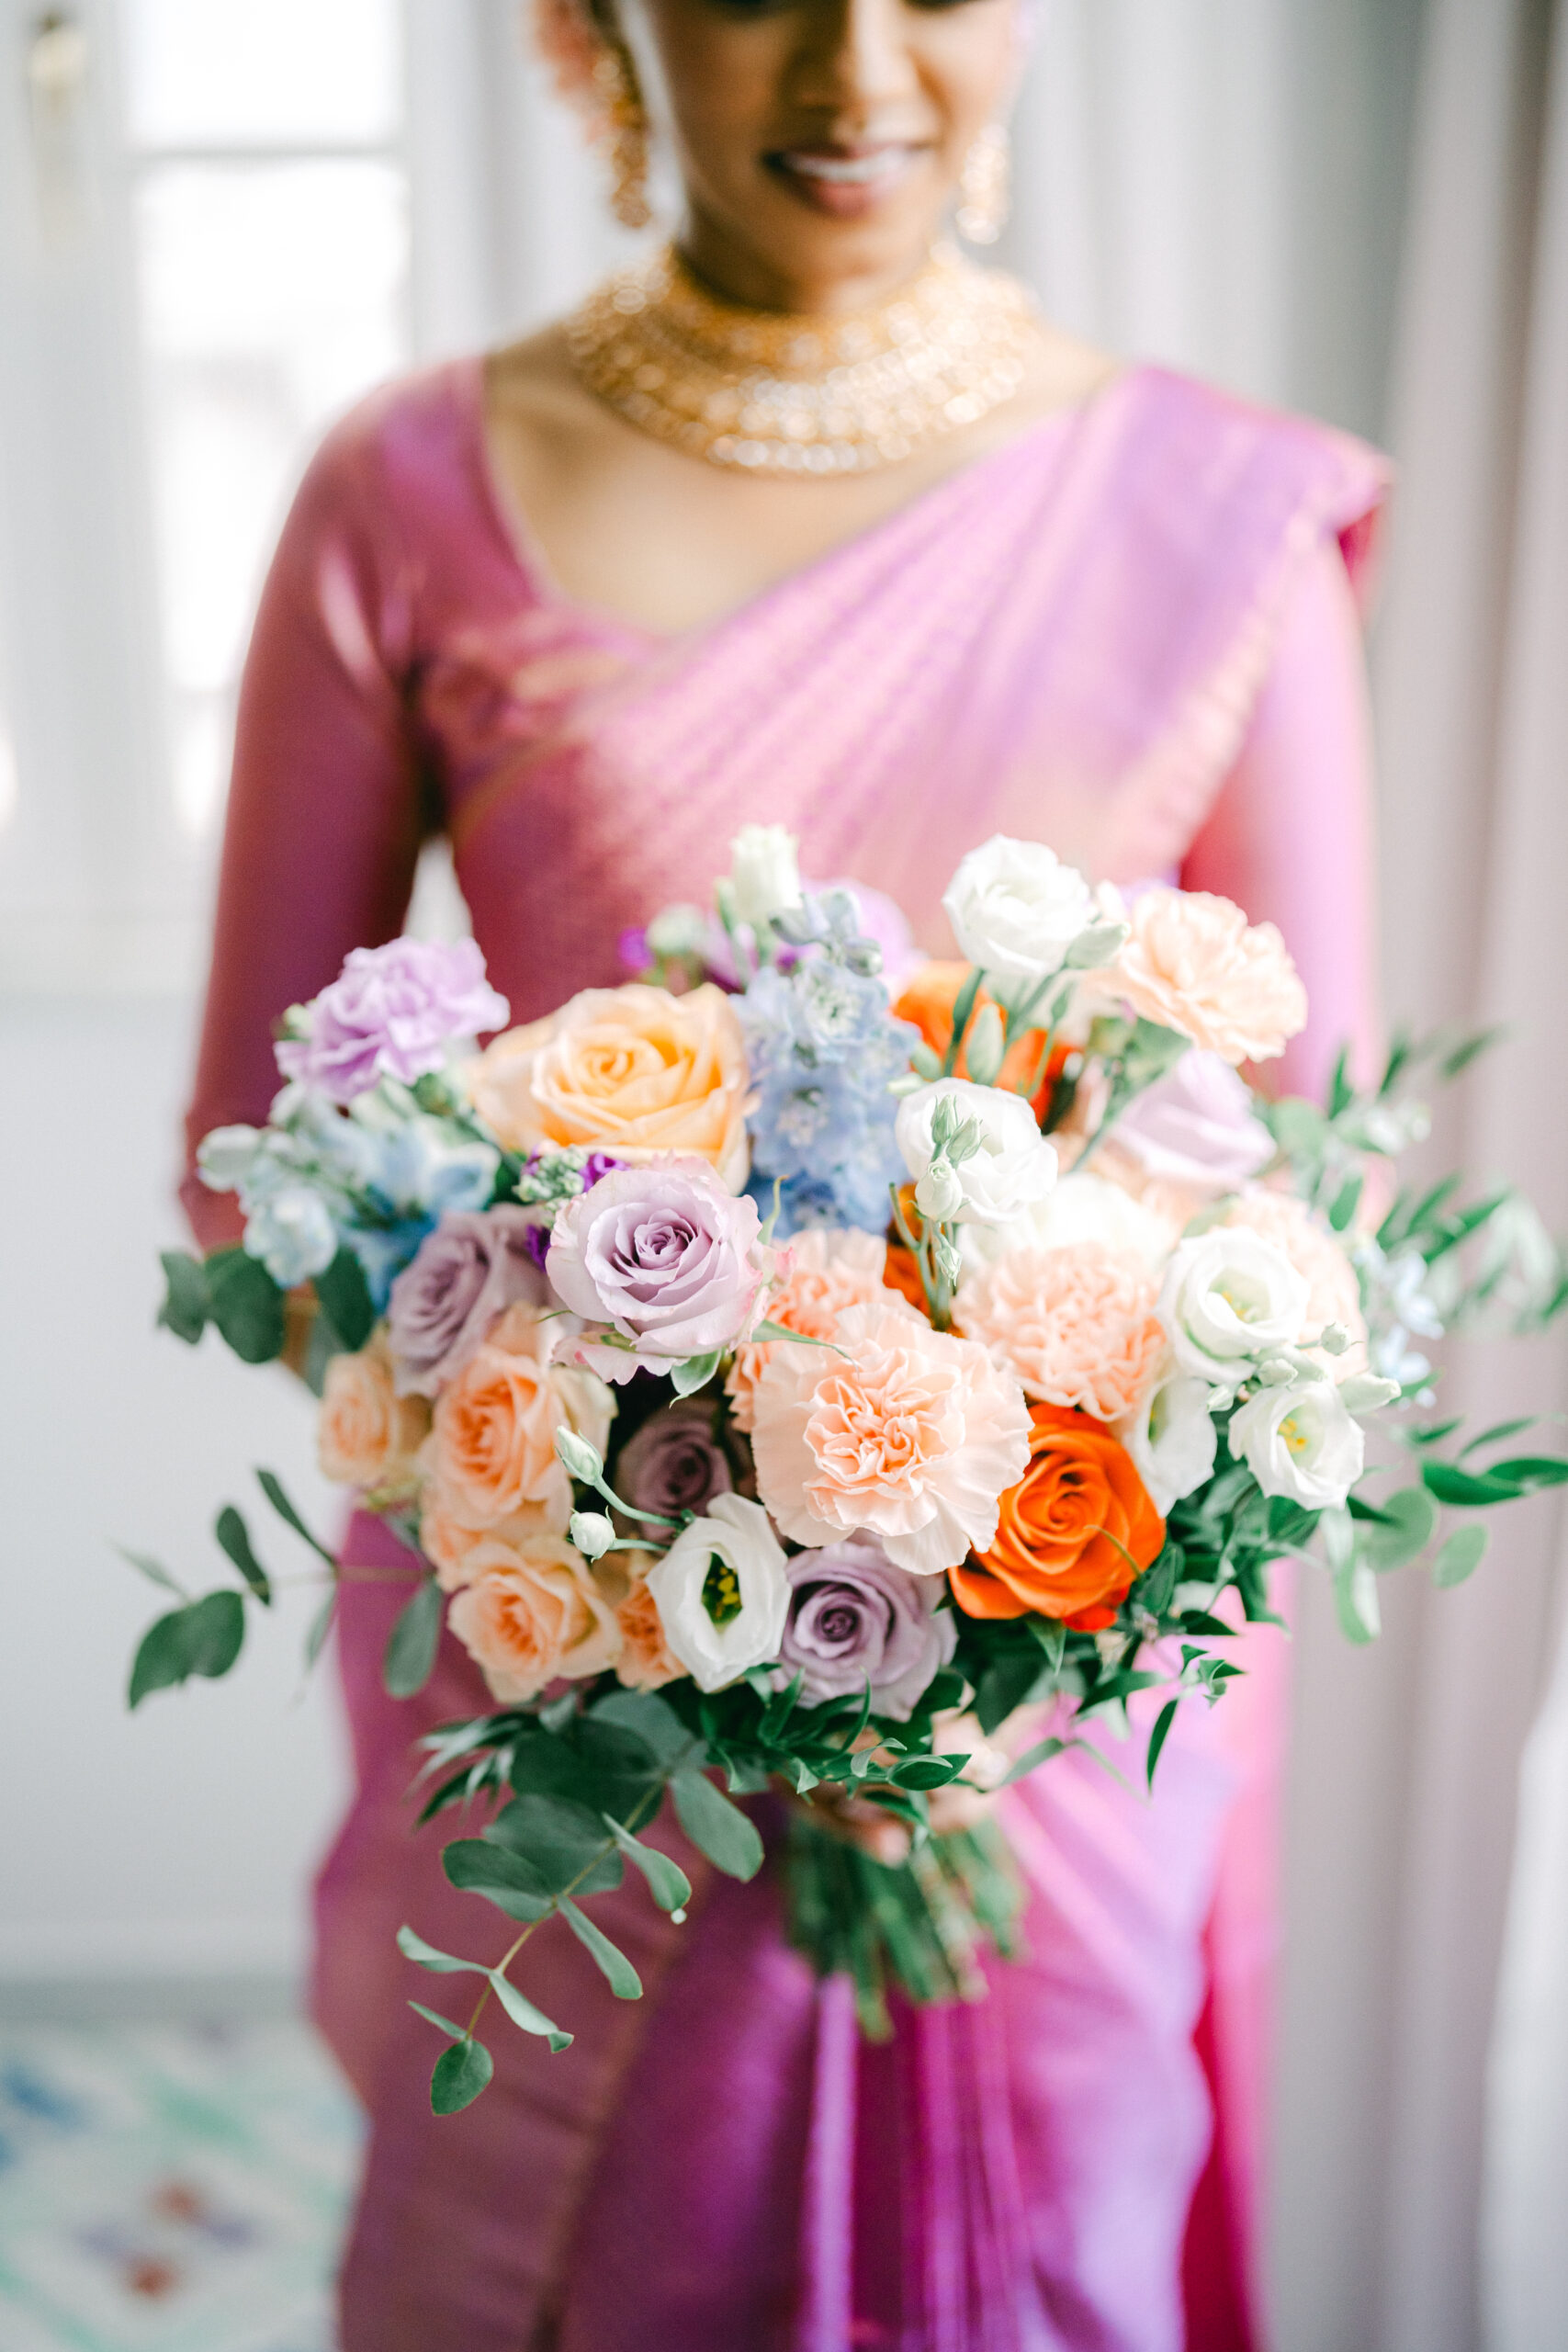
(177, 1840)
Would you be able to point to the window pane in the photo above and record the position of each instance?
(272, 295)
(214, 73)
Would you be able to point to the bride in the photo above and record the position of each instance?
(806, 520)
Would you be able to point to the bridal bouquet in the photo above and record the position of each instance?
(813, 1369)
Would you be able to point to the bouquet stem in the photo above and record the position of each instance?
(920, 1925)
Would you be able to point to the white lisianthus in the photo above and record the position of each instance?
(1012, 1169)
(1171, 1439)
(763, 874)
(1228, 1298)
(722, 1592)
(1301, 1443)
(293, 1235)
(1015, 910)
(1080, 1208)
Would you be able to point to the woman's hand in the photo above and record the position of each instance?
(881, 1833)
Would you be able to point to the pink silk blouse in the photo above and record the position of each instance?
(1131, 632)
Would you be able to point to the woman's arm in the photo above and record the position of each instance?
(1291, 838)
(324, 808)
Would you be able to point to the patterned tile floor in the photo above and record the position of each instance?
(170, 2189)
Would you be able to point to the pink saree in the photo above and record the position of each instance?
(1131, 632)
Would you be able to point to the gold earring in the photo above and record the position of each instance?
(625, 133)
(985, 186)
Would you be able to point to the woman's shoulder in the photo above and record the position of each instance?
(410, 438)
(1194, 456)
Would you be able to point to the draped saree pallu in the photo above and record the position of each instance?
(1130, 632)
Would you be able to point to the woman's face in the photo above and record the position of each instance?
(818, 141)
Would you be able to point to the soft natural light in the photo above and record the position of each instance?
(272, 294)
(230, 73)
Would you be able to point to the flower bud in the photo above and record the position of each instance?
(939, 1194)
(592, 1533)
(578, 1457)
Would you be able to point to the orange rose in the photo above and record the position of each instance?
(928, 1001)
(632, 1070)
(367, 1435)
(1074, 1533)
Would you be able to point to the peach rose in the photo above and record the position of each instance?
(1078, 1325)
(646, 1661)
(491, 1448)
(632, 1070)
(1194, 963)
(449, 1543)
(911, 1433)
(824, 1270)
(366, 1435)
(1073, 1533)
(530, 1611)
(1334, 1293)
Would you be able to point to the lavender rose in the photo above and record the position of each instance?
(1196, 1127)
(666, 1256)
(477, 1263)
(391, 1012)
(854, 1616)
(674, 1461)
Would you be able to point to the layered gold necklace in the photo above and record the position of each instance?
(777, 392)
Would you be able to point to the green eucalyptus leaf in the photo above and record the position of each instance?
(440, 1964)
(1032, 1758)
(651, 1718)
(1461, 1552)
(523, 2013)
(246, 1305)
(433, 2017)
(204, 1638)
(927, 1771)
(1406, 1524)
(186, 1307)
(1356, 1600)
(413, 1641)
(610, 1960)
(234, 1537)
(271, 1485)
(508, 1879)
(321, 1627)
(153, 1570)
(460, 2075)
(1158, 1737)
(667, 1881)
(715, 1826)
(562, 1839)
(345, 1295)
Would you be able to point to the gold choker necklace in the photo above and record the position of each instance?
(776, 392)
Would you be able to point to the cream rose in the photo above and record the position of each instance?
(1077, 1325)
(492, 1450)
(530, 1611)
(910, 1433)
(366, 1435)
(634, 1071)
(1194, 963)
(449, 1543)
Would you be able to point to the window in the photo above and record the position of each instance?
(269, 225)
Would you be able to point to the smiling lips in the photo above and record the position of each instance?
(846, 181)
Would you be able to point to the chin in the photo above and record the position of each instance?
(808, 246)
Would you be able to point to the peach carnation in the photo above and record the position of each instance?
(1194, 963)
(632, 1070)
(366, 1435)
(911, 1433)
(824, 1271)
(530, 1611)
(1078, 1325)
(1334, 1293)
(492, 1450)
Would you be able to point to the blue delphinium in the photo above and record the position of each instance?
(823, 1049)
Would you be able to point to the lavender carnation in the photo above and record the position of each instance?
(475, 1265)
(391, 1012)
(854, 1617)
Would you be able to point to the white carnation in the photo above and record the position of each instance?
(722, 1592)
(1015, 910)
